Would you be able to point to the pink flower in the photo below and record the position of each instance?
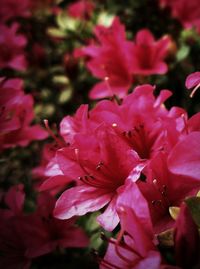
(116, 60)
(24, 237)
(13, 9)
(148, 55)
(12, 48)
(193, 81)
(54, 232)
(162, 189)
(134, 132)
(145, 134)
(16, 116)
(110, 61)
(81, 9)
(100, 163)
(140, 120)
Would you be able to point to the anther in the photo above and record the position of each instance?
(155, 181)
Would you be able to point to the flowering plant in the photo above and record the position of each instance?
(99, 134)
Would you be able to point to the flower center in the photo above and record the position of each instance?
(99, 176)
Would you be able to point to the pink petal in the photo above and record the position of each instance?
(109, 219)
(53, 182)
(192, 80)
(130, 196)
(184, 159)
(80, 200)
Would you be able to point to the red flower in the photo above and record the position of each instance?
(12, 48)
(110, 61)
(140, 120)
(81, 9)
(133, 132)
(100, 163)
(16, 116)
(24, 237)
(148, 55)
(116, 59)
(162, 189)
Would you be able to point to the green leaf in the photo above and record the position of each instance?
(60, 79)
(182, 53)
(194, 205)
(92, 224)
(95, 241)
(166, 238)
(67, 23)
(105, 19)
(55, 32)
(174, 212)
(65, 95)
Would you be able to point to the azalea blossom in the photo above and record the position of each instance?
(116, 60)
(100, 163)
(109, 60)
(12, 46)
(24, 237)
(16, 116)
(163, 189)
(93, 138)
(141, 120)
(148, 55)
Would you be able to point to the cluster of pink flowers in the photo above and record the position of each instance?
(16, 116)
(12, 47)
(24, 237)
(12, 42)
(117, 61)
(134, 160)
(130, 158)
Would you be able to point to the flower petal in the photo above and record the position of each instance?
(80, 200)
